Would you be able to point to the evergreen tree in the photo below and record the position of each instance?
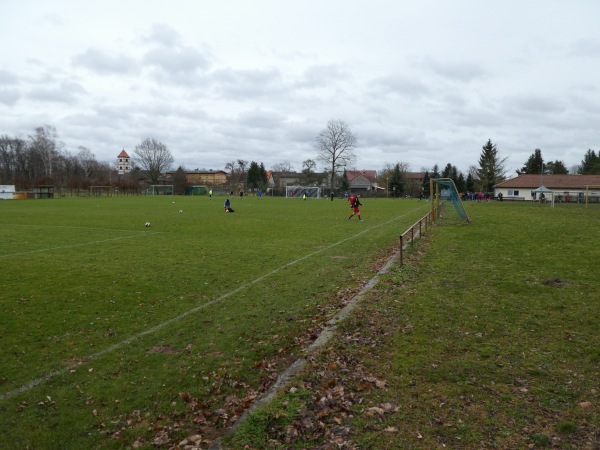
(453, 173)
(344, 183)
(556, 167)
(426, 179)
(179, 181)
(396, 183)
(263, 176)
(590, 164)
(491, 168)
(253, 178)
(533, 165)
(461, 184)
(447, 172)
(471, 183)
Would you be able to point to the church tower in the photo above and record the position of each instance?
(124, 163)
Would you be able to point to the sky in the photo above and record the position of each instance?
(418, 82)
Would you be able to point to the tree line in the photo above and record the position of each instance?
(42, 159)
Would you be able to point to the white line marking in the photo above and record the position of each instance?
(75, 245)
(34, 383)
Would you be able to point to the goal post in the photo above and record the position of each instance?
(594, 193)
(199, 190)
(445, 189)
(160, 189)
(300, 191)
(100, 191)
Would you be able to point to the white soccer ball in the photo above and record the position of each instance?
(147, 224)
(180, 211)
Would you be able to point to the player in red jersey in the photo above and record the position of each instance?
(354, 205)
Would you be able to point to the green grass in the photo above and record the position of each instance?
(487, 338)
(113, 334)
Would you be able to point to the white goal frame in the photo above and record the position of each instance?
(299, 191)
(101, 191)
(594, 188)
(161, 189)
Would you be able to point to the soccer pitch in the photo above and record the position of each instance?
(105, 321)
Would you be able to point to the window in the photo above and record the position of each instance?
(512, 193)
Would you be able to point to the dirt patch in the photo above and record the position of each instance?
(163, 349)
(555, 282)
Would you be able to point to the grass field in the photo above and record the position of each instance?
(115, 335)
(488, 338)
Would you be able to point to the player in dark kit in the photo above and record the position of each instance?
(354, 204)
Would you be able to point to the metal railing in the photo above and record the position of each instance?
(414, 231)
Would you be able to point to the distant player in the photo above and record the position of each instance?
(354, 205)
(227, 206)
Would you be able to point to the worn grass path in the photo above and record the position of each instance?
(488, 339)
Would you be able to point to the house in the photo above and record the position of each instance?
(569, 188)
(415, 177)
(203, 177)
(279, 180)
(362, 181)
(414, 183)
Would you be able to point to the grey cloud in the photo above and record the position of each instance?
(163, 35)
(585, 48)
(527, 104)
(103, 63)
(65, 92)
(248, 83)
(177, 61)
(455, 70)
(7, 77)
(303, 132)
(261, 119)
(9, 96)
(319, 75)
(400, 85)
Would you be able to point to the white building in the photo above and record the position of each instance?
(124, 163)
(565, 188)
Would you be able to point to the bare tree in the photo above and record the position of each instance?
(45, 145)
(237, 171)
(87, 160)
(335, 145)
(284, 166)
(153, 158)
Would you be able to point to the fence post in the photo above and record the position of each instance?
(401, 250)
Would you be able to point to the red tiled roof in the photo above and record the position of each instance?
(123, 154)
(534, 181)
(370, 174)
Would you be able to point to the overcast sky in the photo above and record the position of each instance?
(417, 81)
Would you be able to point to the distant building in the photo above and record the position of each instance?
(203, 177)
(124, 163)
(568, 188)
(362, 181)
(7, 191)
(415, 177)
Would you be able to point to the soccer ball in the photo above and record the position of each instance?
(180, 211)
(147, 224)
